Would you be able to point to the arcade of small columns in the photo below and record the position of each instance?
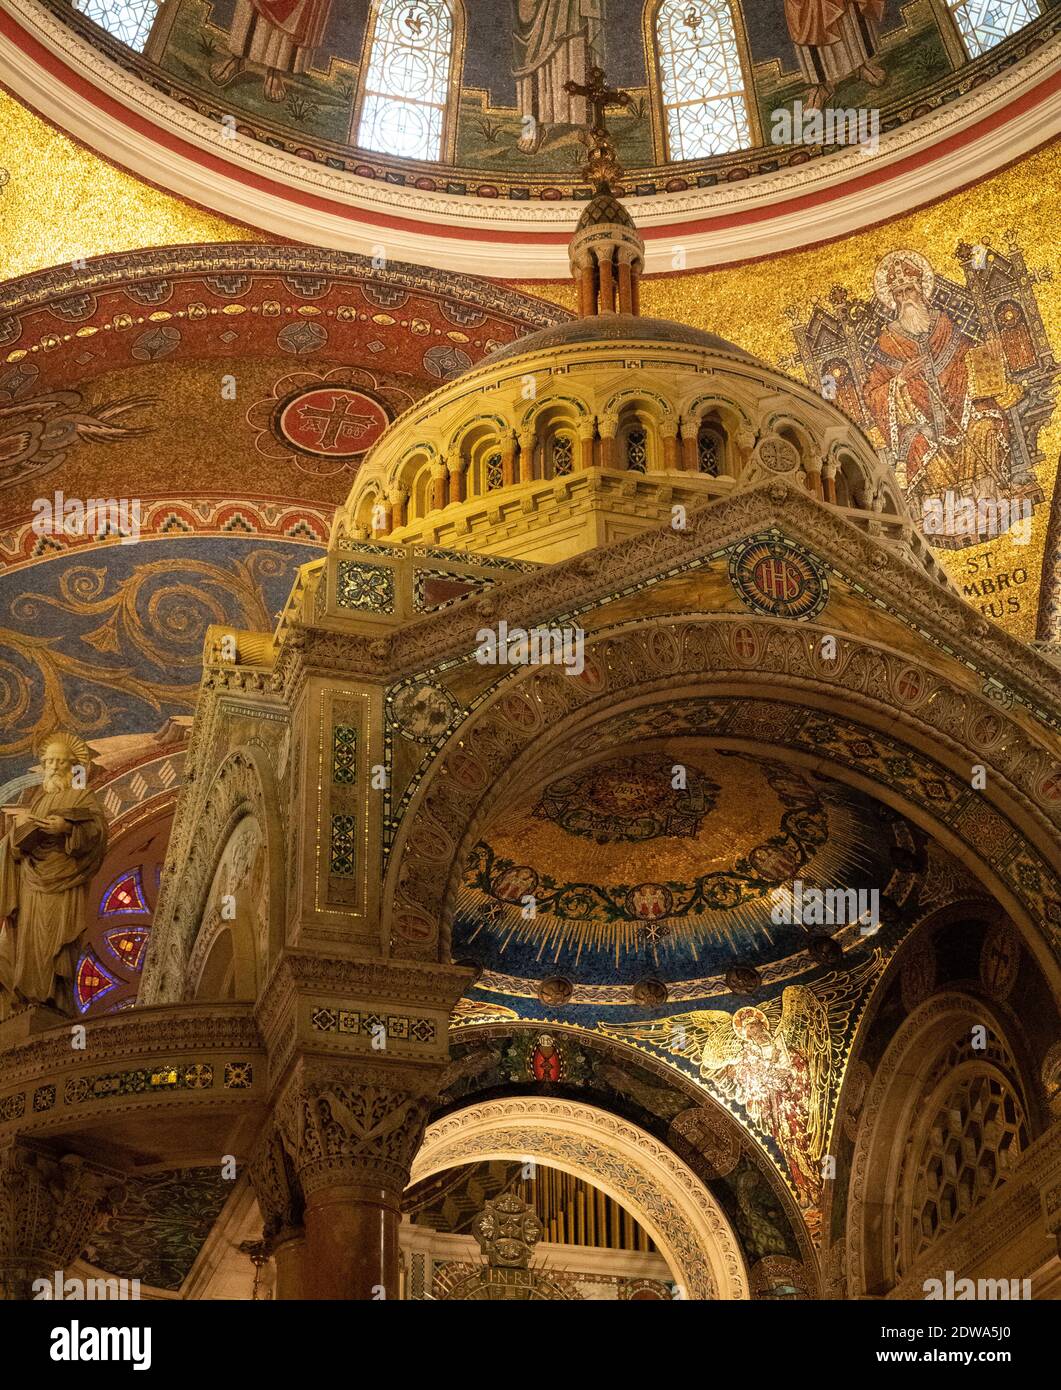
(701, 421)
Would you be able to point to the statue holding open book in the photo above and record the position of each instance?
(48, 857)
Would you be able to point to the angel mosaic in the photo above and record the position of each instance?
(777, 1061)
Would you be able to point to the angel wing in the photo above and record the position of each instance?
(704, 1036)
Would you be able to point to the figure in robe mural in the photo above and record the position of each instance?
(555, 42)
(952, 382)
(927, 392)
(277, 35)
(835, 39)
(48, 857)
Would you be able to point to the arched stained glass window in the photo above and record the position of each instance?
(983, 23)
(406, 79)
(128, 20)
(701, 83)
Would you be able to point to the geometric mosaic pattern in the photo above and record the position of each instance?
(342, 848)
(344, 754)
(367, 587)
(393, 1025)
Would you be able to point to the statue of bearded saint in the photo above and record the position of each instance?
(48, 856)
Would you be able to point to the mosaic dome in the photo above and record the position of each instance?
(633, 878)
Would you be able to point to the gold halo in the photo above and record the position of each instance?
(76, 747)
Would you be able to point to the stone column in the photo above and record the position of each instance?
(607, 284)
(526, 457)
(587, 290)
(438, 485)
(626, 293)
(829, 480)
(607, 429)
(352, 1132)
(399, 499)
(690, 438)
(813, 468)
(586, 434)
(48, 1209)
(668, 432)
(508, 460)
(744, 440)
(455, 464)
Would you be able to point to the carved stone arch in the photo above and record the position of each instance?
(243, 785)
(554, 407)
(899, 1104)
(507, 736)
(655, 406)
(682, 1217)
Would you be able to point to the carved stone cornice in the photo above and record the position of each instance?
(47, 1211)
(356, 1126)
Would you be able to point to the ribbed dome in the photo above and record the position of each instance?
(607, 327)
(603, 208)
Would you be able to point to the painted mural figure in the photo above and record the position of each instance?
(835, 39)
(941, 428)
(555, 42)
(277, 35)
(47, 859)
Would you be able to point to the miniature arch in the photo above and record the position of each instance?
(727, 422)
(646, 416)
(624, 1161)
(475, 442)
(853, 479)
(557, 423)
(243, 785)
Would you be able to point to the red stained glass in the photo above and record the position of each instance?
(125, 895)
(92, 981)
(128, 945)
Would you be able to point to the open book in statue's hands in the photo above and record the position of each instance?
(29, 829)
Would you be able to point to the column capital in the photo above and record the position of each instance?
(356, 1126)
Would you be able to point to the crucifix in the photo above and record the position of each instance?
(599, 96)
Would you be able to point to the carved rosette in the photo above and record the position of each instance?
(349, 1130)
(47, 1212)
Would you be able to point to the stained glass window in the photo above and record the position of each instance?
(707, 454)
(700, 78)
(983, 23)
(128, 20)
(407, 79)
(636, 451)
(563, 455)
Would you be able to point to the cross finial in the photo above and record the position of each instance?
(603, 163)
